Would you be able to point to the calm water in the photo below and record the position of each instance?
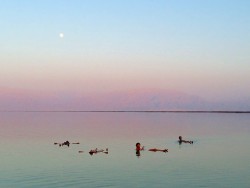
(219, 157)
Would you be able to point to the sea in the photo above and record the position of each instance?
(30, 155)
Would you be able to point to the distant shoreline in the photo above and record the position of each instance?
(129, 111)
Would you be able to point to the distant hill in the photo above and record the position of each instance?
(150, 100)
(12, 99)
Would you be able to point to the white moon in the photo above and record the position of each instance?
(61, 35)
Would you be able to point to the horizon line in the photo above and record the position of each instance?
(131, 111)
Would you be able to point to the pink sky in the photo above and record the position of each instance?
(203, 53)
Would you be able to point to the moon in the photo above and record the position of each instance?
(61, 35)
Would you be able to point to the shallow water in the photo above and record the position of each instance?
(219, 157)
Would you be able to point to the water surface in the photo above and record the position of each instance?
(219, 157)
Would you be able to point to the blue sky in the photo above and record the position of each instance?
(196, 47)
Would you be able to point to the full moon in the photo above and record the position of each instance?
(61, 35)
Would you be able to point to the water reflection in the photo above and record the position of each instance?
(138, 153)
(27, 150)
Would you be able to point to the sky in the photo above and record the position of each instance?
(200, 48)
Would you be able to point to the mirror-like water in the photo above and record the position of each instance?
(219, 157)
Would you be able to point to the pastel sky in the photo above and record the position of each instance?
(197, 47)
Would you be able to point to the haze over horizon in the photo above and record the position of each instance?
(131, 55)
